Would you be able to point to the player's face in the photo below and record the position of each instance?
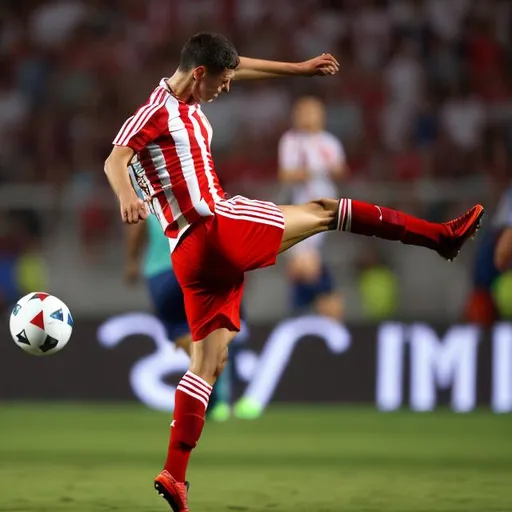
(208, 86)
(309, 115)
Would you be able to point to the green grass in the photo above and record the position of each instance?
(69, 458)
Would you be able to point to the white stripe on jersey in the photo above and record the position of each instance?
(154, 204)
(184, 152)
(207, 125)
(134, 123)
(157, 156)
(204, 154)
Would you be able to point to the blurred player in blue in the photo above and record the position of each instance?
(310, 161)
(503, 225)
(147, 250)
(494, 256)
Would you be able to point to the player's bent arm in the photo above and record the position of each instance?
(503, 251)
(136, 237)
(116, 169)
(255, 69)
(133, 209)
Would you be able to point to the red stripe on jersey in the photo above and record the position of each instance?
(136, 122)
(176, 175)
(197, 158)
(149, 167)
(204, 133)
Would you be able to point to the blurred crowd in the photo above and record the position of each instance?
(425, 86)
(425, 91)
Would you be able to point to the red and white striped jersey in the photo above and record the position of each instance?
(172, 164)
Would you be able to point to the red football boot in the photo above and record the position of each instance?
(175, 493)
(458, 231)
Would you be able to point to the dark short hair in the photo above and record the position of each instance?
(213, 51)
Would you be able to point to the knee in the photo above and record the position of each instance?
(221, 364)
(209, 364)
(208, 368)
(325, 209)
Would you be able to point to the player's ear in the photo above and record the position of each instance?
(199, 72)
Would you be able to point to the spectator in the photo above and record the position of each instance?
(463, 119)
(310, 158)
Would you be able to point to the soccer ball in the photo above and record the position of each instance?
(41, 324)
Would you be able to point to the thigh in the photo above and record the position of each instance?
(210, 354)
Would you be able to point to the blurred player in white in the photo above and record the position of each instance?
(310, 161)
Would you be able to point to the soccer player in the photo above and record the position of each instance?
(215, 239)
(310, 159)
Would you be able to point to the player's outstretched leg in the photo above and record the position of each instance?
(445, 238)
(208, 359)
(367, 219)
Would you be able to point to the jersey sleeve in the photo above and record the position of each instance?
(289, 153)
(145, 126)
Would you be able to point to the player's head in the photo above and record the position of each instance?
(211, 59)
(308, 114)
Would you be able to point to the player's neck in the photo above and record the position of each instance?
(181, 85)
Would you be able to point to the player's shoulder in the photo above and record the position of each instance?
(160, 99)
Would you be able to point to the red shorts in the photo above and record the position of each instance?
(213, 256)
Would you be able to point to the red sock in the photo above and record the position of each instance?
(371, 220)
(190, 403)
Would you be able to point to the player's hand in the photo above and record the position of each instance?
(322, 65)
(133, 208)
(131, 272)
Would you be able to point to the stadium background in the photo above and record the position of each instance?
(423, 107)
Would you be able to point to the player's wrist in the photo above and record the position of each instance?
(298, 68)
(124, 194)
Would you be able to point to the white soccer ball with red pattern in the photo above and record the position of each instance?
(41, 324)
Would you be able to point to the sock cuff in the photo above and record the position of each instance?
(344, 214)
(198, 380)
(195, 387)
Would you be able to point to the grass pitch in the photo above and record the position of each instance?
(89, 458)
